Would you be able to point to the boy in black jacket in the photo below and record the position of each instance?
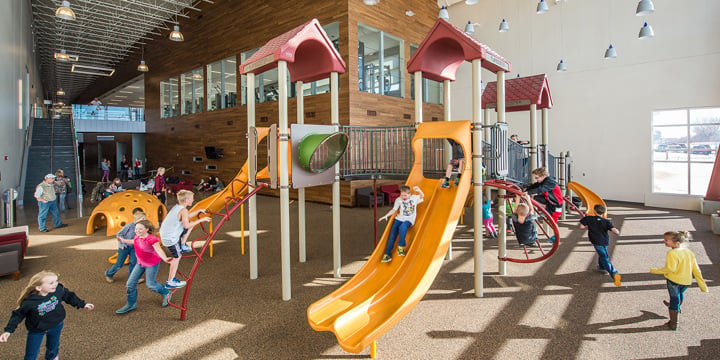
(546, 186)
(598, 228)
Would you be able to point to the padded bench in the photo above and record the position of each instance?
(13, 244)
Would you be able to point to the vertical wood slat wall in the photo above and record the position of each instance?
(228, 28)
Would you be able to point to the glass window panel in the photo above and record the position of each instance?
(186, 92)
(670, 177)
(174, 96)
(670, 143)
(700, 177)
(230, 69)
(705, 116)
(169, 98)
(243, 79)
(368, 59)
(393, 69)
(670, 117)
(215, 86)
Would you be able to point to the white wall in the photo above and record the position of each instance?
(16, 52)
(602, 108)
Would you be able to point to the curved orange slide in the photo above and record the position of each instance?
(380, 294)
(589, 198)
(237, 187)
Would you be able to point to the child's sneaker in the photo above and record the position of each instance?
(109, 279)
(617, 279)
(445, 184)
(185, 248)
(166, 299)
(386, 258)
(457, 181)
(174, 284)
(401, 251)
(551, 240)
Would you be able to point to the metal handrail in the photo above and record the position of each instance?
(78, 177)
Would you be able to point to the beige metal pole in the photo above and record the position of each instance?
(283, 140)
(418, 98)
(335, 121)
(533, 136)
(545, 136)
(252, 202)
(447, 113)
(477, 120)
(502, 243)
(301, 192)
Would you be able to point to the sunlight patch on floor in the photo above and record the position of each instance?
(641, 227)
(222, 354)
(238, 233)
(176, 344)
(111, 244)
(36, 240)
(325, 282)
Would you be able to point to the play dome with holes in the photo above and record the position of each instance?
(117, 210)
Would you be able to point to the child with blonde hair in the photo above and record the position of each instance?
(175, 230)
(680, 267)
(524, 222)
(40, 305)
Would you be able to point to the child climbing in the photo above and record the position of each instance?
(488, 219)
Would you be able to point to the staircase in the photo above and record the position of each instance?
(52, 148)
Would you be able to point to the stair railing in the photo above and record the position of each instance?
(76, 160)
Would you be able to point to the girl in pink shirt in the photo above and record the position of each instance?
(149, 253)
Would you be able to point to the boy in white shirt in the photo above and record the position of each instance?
(407, 205)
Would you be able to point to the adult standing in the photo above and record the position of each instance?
(124, 169)
(60, 185)
(160, 189)
(138, 165)
(97, 105)
(45, 195)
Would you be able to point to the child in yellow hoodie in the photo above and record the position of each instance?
(680, 267)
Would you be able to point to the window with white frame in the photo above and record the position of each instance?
(169, 101)
(192, 91)
(221, 84)
(685, 142)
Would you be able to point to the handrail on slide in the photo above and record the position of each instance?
(381, 294)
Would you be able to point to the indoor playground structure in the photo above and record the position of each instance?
(117, 210)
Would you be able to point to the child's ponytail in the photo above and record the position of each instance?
(35, 281)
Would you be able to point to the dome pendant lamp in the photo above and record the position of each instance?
(176, 35)
(645, 7)
(542, 7)
(646, 32)
(504, 26)
(562, 66)
(444, 14)
(610, 53)
(469, 28)
(64, 11)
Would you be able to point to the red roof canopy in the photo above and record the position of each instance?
(445, 47)
(307, 49)
(520, 93)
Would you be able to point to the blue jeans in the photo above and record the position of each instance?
(677, 294)
(52, 345)
(398, 227)
(122, 254)
(150, 281)
(604, 260)
(61, 201)
(44, 208)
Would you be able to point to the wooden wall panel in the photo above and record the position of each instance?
(230, 27)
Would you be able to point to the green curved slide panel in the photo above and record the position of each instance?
(319, 152)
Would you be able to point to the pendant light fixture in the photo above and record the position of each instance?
(62, 55)
(504, 26)
(444, 14)
(562, 66)
(142, 66)
(542, 7)
(610, 53)
(176, 35)
(645, 7)
(469, 28)
(646, 32)
(371, 2)
(471, 2)
(60, 92)
(64, 11)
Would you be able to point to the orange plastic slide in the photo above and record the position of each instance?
(237, 187)
(589, 198)
(380, 294)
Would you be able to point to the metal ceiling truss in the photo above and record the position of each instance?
(104, 33)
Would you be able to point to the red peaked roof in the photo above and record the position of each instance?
(307, 49)
(445, 47)
(520, 93)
